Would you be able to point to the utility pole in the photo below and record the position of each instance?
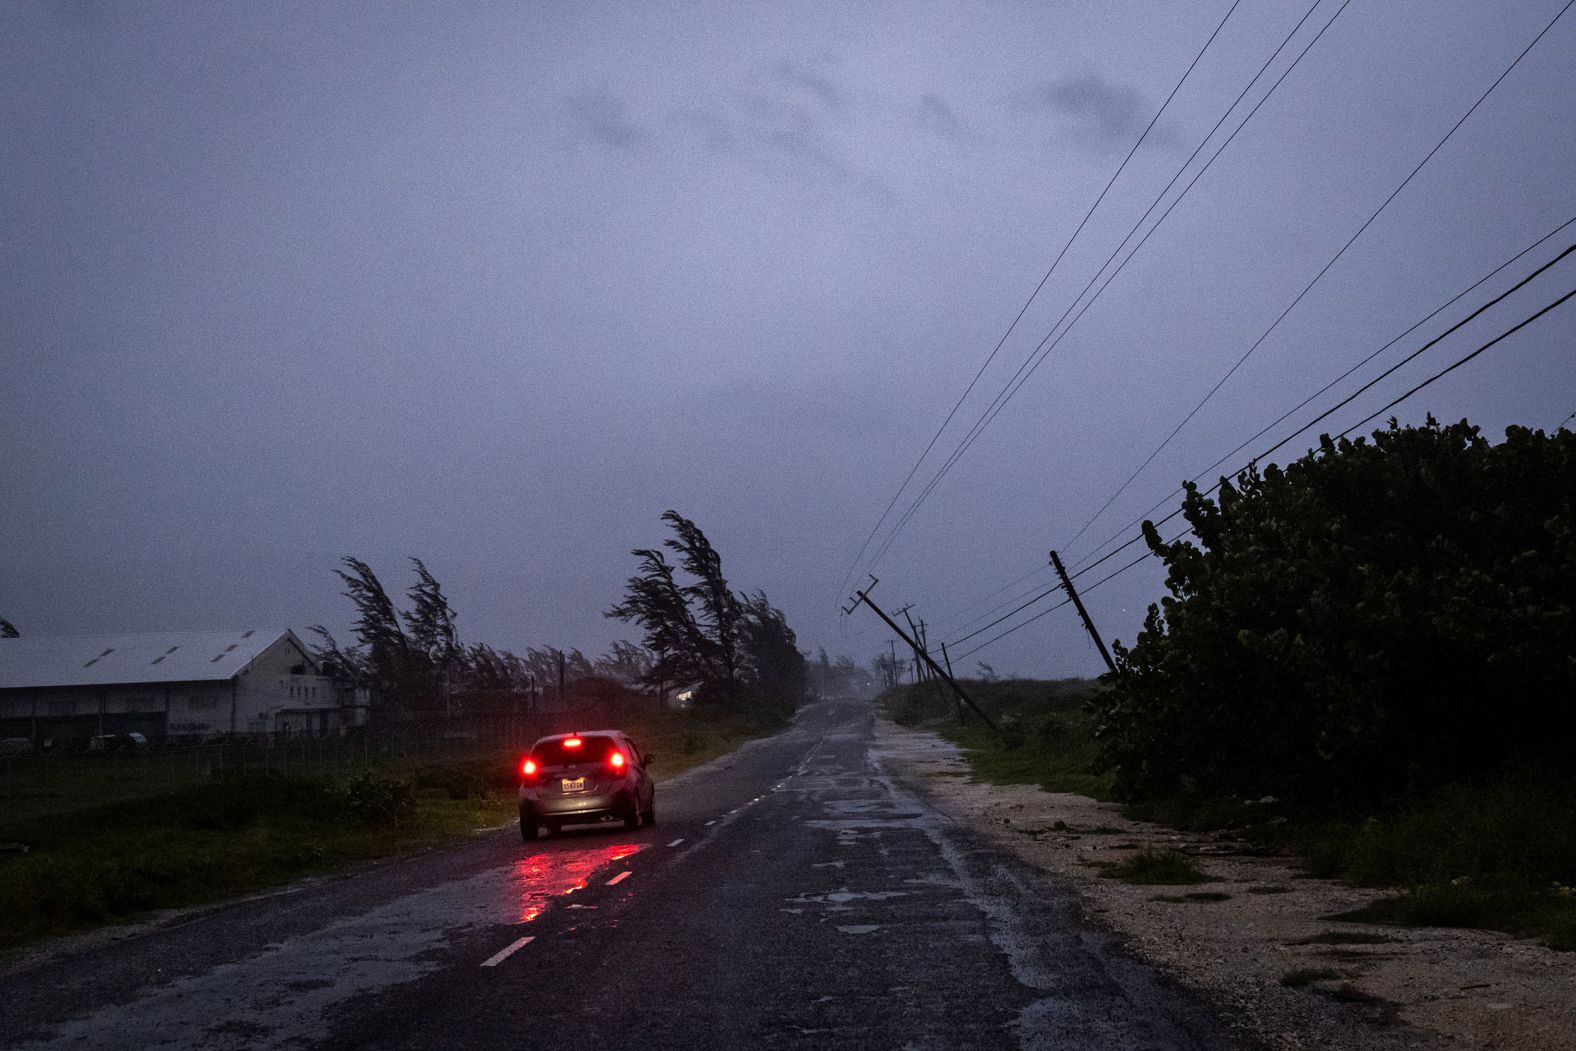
(919, 675)
(860, 596)
(1072, 593)
(924, 641)
(948, 661)
(560, 678)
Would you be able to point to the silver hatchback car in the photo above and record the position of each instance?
(594, 775)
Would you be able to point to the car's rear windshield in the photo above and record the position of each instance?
(592, 749)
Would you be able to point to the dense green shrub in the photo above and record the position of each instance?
(1376, 619)
(379, 799)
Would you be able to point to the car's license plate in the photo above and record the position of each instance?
(575, 784)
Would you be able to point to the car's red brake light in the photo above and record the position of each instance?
(573, 742)
(616, 760)
(527, 768)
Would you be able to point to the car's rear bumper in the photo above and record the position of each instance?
(572, 808)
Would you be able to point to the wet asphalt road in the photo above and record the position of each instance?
(790, 895)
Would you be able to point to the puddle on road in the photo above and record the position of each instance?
(844, 896)
(543, 876)
(859, 928)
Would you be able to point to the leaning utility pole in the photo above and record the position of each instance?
(924, 641)
(860, 596)
(919, 675)
(948, 661)
(1072, 593)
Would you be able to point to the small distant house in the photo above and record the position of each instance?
(685, 694)
(173, 685)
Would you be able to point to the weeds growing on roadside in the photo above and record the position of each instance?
(1151, 867)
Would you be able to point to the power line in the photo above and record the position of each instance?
(1087, 566)
(1362, 423)
(1367, 386)
(1459, 362)
(1044, 594)
(1068, 600)
(1320, 275)
(1016, 627)
(1024, 309)
(1562, 423)
(1041, 351)
(1006, 602)
(1370, 384)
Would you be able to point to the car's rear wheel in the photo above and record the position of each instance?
(632, 819)
(528, 830)
(649, 815)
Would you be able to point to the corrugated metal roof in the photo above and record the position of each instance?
(108, 660)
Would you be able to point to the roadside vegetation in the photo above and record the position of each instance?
(1047, 734)
(1369, 656)
(92, 862)
(1151, 867)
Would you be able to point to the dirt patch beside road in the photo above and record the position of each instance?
(1256, 923)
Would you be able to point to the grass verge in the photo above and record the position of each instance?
(1047, 738)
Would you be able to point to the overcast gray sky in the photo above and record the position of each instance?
(495, 284)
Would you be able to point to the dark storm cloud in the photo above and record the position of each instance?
(785, 126)
(935, 115)
(603, 116)
(771, 125)
(1102, 115)
(809, 81)
(713, 130)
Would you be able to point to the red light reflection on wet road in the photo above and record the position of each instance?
(539, 878)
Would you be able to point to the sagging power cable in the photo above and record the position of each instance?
(1319, 276)
(1032, 295)
(1047, 344)
(1087, 563)
(1464, 359)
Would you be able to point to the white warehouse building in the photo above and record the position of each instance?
(175, 685)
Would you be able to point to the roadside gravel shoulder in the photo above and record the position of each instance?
(1257, 920)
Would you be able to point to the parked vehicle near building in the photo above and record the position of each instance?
(126, 742)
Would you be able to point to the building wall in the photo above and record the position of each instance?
(63, 715)
(280, 692)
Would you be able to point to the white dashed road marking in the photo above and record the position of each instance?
(713, 821)
(503, 954)
(620, 878)
(676, 842)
